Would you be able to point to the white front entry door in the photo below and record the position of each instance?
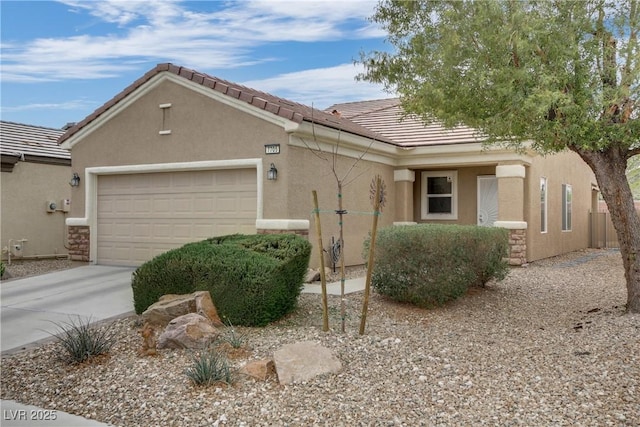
(487, 200)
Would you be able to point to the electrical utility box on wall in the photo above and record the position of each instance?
(51, 206)
(66, 205)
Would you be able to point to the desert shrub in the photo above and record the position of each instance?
(2, 268)
(210, 367)
(428, 265)
(80, 341)
(488, 248)
(253, 279)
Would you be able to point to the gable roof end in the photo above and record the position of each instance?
(281, 107)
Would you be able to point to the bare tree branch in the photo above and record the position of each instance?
(360, 157)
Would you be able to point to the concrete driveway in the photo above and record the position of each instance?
(31, 304)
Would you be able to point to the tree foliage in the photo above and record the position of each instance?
(551, 73)
(557, 73)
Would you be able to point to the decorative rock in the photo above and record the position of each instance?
(314, 275)
(260, 370)
(149, 341)
(205, 307)
(304, 360)
(188, 331)
(171, 306)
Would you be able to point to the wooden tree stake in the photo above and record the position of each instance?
(323, 279)
(341, 212)
(372, 245)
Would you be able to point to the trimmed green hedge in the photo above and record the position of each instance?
(253, 279)
(430, 264)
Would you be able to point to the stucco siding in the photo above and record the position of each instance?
(25, 192)
(563, 168)
(313, 173)
(200, 130)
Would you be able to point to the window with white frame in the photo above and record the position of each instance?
(566, 207)
(543, 204)
(439, 195)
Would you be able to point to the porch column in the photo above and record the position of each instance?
(511, 210)
(403, 180)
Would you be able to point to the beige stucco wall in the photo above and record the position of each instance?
(307, 172)
(562, 168)
(203, 129)
(25, 192)
(200, 130)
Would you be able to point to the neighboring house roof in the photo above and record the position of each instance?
(387, 117)
(30, 143)
(279, 106)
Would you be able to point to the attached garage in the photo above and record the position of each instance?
(141, 215)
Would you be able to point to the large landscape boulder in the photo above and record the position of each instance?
(188, 331)
(304, 360)
(171, 306)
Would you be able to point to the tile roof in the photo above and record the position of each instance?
(279, 106)
(387, 117)
(28, 141)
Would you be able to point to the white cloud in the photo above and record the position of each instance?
(321, 87)
(67, 105)
(123, 12)
(165, 31)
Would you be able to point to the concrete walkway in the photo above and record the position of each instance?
(31, 307)
(351, 285)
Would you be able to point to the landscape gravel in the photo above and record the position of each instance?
(23, 268)
(549, 345)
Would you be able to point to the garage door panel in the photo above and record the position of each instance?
(161, 231)
(142, 231)
(159, 205)
(142, 204)
(143, 215)
(247, 205)
(159, 182)
(106, 204)
(182, 204)
(105, 230)
(203, 204)
(122, 229)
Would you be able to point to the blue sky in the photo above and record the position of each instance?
(63, 59)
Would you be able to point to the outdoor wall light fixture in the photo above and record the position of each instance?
(272, 173)
(75, 180)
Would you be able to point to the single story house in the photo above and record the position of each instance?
(180, 155)
(35, 191)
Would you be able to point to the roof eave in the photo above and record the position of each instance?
(467, 154)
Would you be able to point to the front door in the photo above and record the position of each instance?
(487, 200)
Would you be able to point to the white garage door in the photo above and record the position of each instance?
(143, 215)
